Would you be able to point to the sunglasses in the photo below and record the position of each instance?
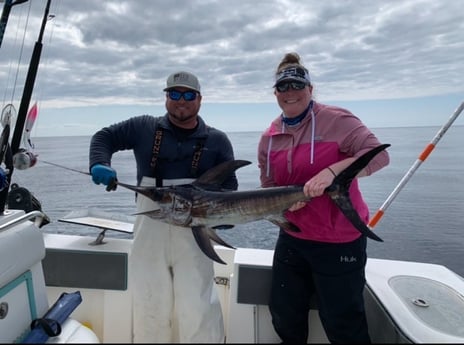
(177, 95)
(296, 85)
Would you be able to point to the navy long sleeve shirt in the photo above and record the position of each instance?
(174, 154)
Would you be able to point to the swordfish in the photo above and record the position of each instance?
(203, 207)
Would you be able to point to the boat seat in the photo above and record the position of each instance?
(23, 293)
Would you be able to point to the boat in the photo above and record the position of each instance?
(406, 302)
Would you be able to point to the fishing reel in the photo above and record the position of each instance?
(8, 115)
(24, 159)
(20, 198)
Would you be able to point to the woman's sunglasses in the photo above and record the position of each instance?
(296, 85)
(177, 95)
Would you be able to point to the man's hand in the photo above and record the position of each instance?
(105, 175)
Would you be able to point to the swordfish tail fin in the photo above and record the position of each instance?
(339, 191)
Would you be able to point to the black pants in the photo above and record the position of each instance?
(335, 272)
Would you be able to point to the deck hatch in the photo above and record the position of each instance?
(440, 308)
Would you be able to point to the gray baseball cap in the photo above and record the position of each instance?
(182, 79)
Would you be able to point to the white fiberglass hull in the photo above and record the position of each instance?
(406, 302)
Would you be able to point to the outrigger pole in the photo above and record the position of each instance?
(422, 157)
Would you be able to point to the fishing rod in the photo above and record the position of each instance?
(29, 85)
(65, 167)
(111, 186)
(422, 157)
(6, 14)
(25, 100)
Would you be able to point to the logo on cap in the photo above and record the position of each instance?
(181, 77)
(293, 73)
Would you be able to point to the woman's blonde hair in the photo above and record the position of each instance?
(290, 60)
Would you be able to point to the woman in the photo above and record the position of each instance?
(309, 144)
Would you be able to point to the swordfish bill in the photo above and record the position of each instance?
(204, 207)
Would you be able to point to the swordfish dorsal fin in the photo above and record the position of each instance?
(214, 177)
(339, 191)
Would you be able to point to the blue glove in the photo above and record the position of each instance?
(104, 174)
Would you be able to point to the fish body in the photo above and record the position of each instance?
(191, 205)
(204, 207)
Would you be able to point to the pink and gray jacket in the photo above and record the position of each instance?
(291, 155)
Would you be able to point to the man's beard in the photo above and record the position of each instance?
(183, 117)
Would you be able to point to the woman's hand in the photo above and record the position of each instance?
(318, 183)
(296, 206)
(315, 187)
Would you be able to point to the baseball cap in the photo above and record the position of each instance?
(182, 79)
(295, 73)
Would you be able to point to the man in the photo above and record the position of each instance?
(175, 299)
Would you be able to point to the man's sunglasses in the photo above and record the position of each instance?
(177, 95)
(296, 85)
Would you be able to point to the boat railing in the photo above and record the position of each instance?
(38, 216)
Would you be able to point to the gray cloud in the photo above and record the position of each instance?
(98, 52)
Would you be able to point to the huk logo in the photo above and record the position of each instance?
(347, 259)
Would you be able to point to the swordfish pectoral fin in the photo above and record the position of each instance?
(203, 239)
(339, 191)
(215, 237)
(282, 222)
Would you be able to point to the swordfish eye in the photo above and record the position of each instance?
(181, 211)
(181, 205)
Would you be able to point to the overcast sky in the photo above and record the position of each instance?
(392, 63)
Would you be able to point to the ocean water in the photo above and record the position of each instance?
(422, 223)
